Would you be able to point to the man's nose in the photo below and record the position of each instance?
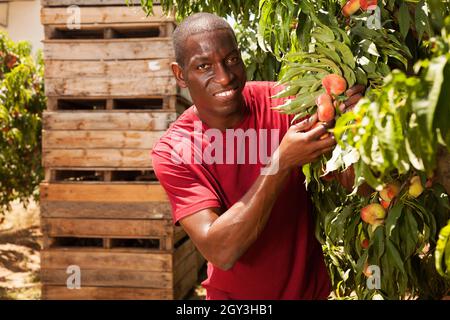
(223, 75)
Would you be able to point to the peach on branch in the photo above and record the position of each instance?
(373, 214)
(415, 187)
(388, 193)
(325, 108)
(334, 84)
(368, 4)
(351, 7)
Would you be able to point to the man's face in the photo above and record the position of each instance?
(214, 72)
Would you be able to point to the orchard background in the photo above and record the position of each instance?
(392, 218)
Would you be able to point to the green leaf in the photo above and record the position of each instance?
(393, 253)
(404, 19)
(394, 213)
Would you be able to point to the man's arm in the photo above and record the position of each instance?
(223, 238)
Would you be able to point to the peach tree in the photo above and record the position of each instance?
(22, 100)
(382, 228)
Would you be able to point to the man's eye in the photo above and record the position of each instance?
(203, 66)
(233, 60)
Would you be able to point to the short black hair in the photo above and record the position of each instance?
(195, 24)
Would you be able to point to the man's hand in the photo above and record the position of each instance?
(302, 145)
(354, 94)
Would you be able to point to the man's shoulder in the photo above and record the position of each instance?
(181, 127)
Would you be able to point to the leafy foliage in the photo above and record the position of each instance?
(21, 103)
(400, 52)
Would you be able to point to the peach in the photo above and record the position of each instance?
(415, 187)
(351, 7)
(325, 108)
(368, 4)
(373, 214)
(334, 84)
(388, 193)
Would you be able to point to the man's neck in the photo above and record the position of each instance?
(222, 123)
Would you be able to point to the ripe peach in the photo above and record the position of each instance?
(373, 214)
(388, 193)
(351, 7)
(368, 4)
(325, 109)
(415, 187)
(334, 84)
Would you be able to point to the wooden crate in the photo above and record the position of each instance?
(113, 51)
(65, 3)
(119, 273)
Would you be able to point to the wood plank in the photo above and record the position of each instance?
(65, 3)
(50, 292)
(108, 49)
(105, 210)
(186, 284)
(189, 263)
(101, 86)
(149, 68)
(106, 14)
(111, 120)
(112, 278)
(76, 139)
(182, 253)
(106, 259)
(97, 158)
(99, 228)
(102, 192)
(200, 260)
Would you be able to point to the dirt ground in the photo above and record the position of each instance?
(20, 245)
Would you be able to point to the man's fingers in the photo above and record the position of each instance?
(305, 124)
(358, 88)
(317, 132)
(353, 99)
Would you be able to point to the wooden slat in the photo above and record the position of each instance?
(123, 278)
(102, 192)
(186, 284)
(98, 228)
(107, 14)
(189, 263)
(105, 210)
(123, 86)
(105, 259)
(116, 69)
(77, 139)
(65, 3)
(50, 292)
(97, 158)
(108, 49)
(111, 120)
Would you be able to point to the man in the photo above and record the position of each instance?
(251, 221)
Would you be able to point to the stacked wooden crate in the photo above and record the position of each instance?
(110, 97)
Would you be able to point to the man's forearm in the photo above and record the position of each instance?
(236, 229)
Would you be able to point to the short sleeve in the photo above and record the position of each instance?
(188, 192)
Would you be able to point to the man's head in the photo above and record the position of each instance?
(209, 64)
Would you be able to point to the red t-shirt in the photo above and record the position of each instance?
(286, 261)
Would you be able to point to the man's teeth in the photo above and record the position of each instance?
(225, 93)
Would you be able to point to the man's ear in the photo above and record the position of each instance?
(178, 73)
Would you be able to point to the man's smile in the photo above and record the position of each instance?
(226, 93)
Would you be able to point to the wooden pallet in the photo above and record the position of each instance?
(103, 15)
(104, 201)
(119, 273)
(65, 3)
